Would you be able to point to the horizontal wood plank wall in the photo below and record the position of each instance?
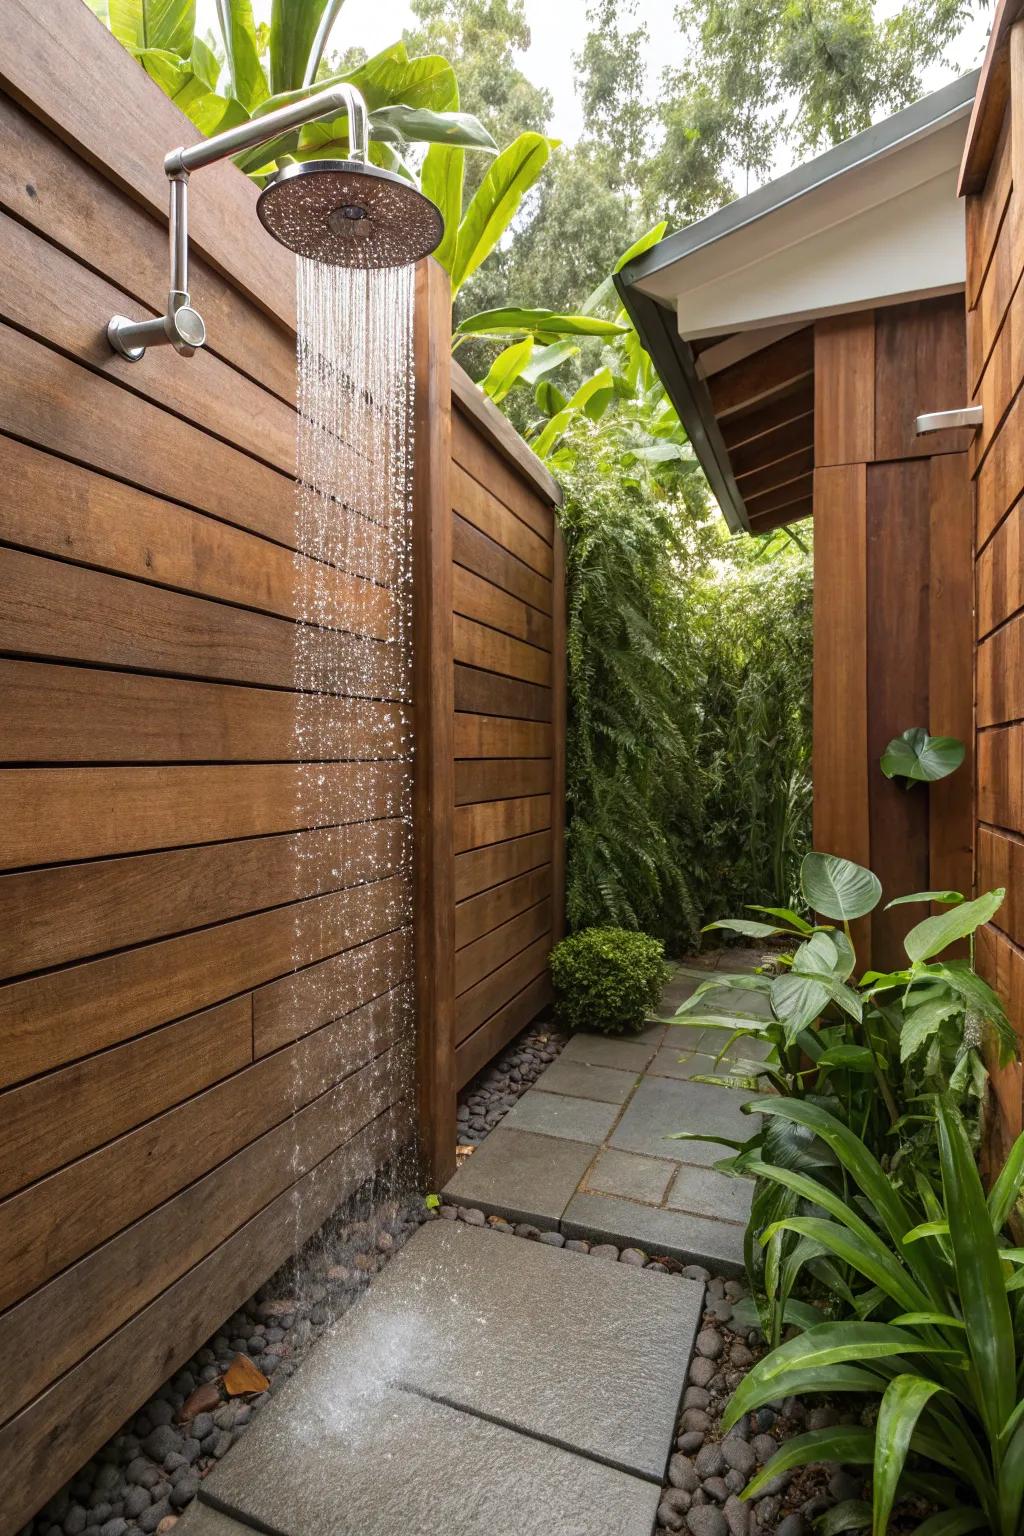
(893, 601)
(509, 663)
(995, 266)
(204, 998)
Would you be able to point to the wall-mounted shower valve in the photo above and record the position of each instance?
(181, 327)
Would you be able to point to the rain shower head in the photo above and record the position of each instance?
(348, 213)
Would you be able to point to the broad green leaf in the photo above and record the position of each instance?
(497, 201)
(941, 898)
(833, 1378)
(976, 994)
(1004, 1192)
(927, 1229)
(547, 359)
(391, 77)
(838, 888)
(166, 24)
(937, 933)
(506, 368)
(605, 293)
(247, 81)
(917, 756)
(204, 63)
(952, 1522)
(903, 1402)
(816, 954)
(745, 925)
(418, 125)
(828, 1344)
(797, 1002)
(848, 1058)
(512, 321)
(869, 1257)
(921, 1022)
(549, 398)
(979, 1274)
(850, 1515)
(177, 79)
(299, 32)
(441, 180)
(1010, 1487)
(597, 384)
(845, 1442)
(928, 1319)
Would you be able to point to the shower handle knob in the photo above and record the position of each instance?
(181, 327)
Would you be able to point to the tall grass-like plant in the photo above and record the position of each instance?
(939, 1339)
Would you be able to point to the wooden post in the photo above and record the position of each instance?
(434, 716)
(558, 723)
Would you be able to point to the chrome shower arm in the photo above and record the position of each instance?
(181, 326)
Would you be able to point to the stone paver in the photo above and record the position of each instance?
(559, 1114)
(483, 1386)
(522, 1176)
(634, 1178)
(661, 1106)
(624, 1099)
(581, 1081)
(692, 1239)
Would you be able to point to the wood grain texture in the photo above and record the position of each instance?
(495, 821)
(480, 914)
(480, 869)
(559, 710)
(920, 365)
(485, 693)
(474, 405)
(433, 687)
(493, 736)
(844, 389)
(950, 668)
(985, 214)
(488, 515)
(1001, 778)
(477, 1049)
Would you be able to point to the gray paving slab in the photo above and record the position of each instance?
(579, 1080)
(676, 1234)
(704, 1192)
(553, 1344)
(521, 1175)
(661, 1106)
(673, 1062)
(633, 1177)
(630, 1055)
(407, 1464)
(559, 1114)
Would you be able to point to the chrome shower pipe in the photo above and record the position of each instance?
(181, 326)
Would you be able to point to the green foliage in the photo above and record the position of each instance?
(934, 1330)
(920, 758)
(608, 979)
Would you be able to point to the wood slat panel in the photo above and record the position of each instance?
(746, 426)
(844, 389)
(469, 400)
(476, 504)
(985, 319)
(63, 714)
(792, 493)
(484, 693)
(84, 213)
(841, 823)
(71, 911)
(951, 668)
(484, 955)
(76, 514)
(285, 1010)
(489, 649)
(483, 1000)
(480, 869)
(478, 458)
(57, 1118)
(780, 457)
(477, 1049)
(78, 1309)
(494, 821)
(477, 552)
(1001, 863)
(55, 1222)
(45, 1442)
(49, 815)
(920, 365)
(478, 599)
(1002, 965)
(487, 779)
(103, 1002)
(491, 736)
(1001, 575)
(1001, 778)
(776, 370)
(999, 664)
(1001, 376)
(481, 914)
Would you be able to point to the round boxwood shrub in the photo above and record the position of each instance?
(608, 979)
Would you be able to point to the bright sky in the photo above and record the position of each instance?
(558, 28)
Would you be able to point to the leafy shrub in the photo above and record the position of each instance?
(607, 979)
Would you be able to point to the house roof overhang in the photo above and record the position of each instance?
(726, 306)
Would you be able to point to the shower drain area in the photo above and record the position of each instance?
(482, 1387)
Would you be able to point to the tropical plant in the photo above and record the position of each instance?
(607, 979)
(920, 758)
(877, 1054)
(412, 101)
(938, 1335)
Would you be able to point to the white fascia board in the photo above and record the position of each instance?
(912, 245)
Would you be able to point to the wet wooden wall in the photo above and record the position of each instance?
(993, 179)
(167, 1086)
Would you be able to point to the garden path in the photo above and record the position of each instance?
(588, 1150)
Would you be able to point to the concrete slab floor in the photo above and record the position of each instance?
(483, 1386)
(559, 1114)
(521, 1175)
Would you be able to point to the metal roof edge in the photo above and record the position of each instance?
(914, 122)
(674, 360)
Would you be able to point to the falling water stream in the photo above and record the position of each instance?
(353, 735)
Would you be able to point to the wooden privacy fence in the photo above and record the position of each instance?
(165, 1088)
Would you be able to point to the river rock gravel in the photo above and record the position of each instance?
(485, 1101)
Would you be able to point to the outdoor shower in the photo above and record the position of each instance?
(345, 213)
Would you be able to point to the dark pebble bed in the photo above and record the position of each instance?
(485, 1101)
